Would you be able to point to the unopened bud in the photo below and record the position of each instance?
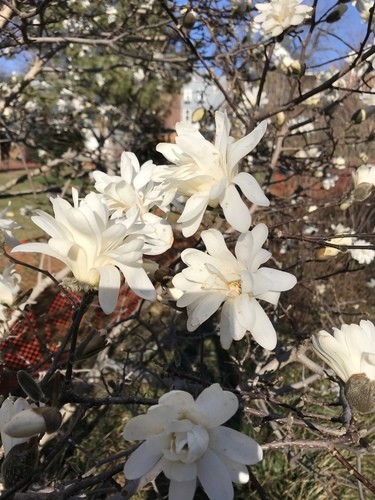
(360, 393)
(362, 191)
(91, 345)
(325, 253)
(20, 463)
(33, 421)
(30, 386)
(336, 14)
(189, 19)
(280, 119)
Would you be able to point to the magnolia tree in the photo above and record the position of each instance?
(208, 302)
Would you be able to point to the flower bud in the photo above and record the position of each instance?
(325, 253)
(20, 463)
(336, 14)
(280, 119)
(189, 19)
(33, 421)
(360, 393)
(30, 386)
(91, 345)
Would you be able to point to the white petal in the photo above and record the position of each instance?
(203, 309)
(222, 132)
(217, 405)
(235, 445)
(238, 472)
(179, 471)
(144, 458)
(230, 328)
(215, 244)
(336, 355)
(109, 287)
(251, 189)
(241, 148)
(138, 281)
(182, 490)
(142, 426)
(280, 280)
(194, 207)
(262, 329)
(235, 211)
(180, 400)
(214, 477)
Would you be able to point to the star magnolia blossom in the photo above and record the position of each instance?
(9, 288)
(365, 174)
(134, 194)
(349, 351)
(278, 15)
(8, 410)
(6, 227)
(94, 247)
(237, 281)
(363, 7)
(185, 439)
(362, 255)
(207, 174)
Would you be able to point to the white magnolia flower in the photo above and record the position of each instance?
(134, 194)
(278, 15)
(349, 351)
(218, 277)
(186, 440)
(208, 174)
(8, 410)
(362, 255)
(6, 228)
(365, 174)
(9, 288)
(363, 7)
(95, 248)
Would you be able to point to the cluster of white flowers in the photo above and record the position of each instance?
(277, 16)
(107, 233)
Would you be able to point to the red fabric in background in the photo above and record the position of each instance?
(36, 336)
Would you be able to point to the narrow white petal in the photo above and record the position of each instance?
(214, 477)
(251, 189)
(180, 400)
(230, 328)
(203, 309)
(336, 355)
(238, 472)
(241, 148)
(182, 490)
(179, 471)
(215, 244)
(194, 207)
(217, 405)
(142, 426)
(280, 280)
(144, 458)
(109, 287)
(138, 281)
(262, 329)
(235, 211)
(235, 445)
